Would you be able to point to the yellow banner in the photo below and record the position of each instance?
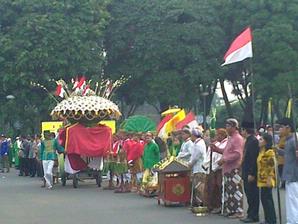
(110, 123)
(269, 109)
(170, 125)
(289, 108)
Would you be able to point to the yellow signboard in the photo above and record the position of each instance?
(51, 126)
(111, 124)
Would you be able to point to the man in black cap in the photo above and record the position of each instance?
(290, 170)
(249, 172)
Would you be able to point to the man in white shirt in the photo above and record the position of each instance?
(196, 161)
(185, 151)
(215, 173)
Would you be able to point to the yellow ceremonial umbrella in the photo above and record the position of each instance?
(170, 111)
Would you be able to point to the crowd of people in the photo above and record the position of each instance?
(30, 155)
(226, 164)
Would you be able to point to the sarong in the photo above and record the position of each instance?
(137, 166)
(199, 187)
(214, 189)
(233, 192)
(121, 163)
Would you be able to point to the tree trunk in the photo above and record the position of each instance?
(225, 97)
(264, 111)
(248, 111)
(131, 110)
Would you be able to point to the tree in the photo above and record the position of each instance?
(275, 48)
(168, 49)
(42, 40)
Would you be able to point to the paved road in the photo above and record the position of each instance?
(22, 201)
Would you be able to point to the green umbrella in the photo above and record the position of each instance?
(138, 123)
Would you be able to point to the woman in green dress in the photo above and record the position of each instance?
(15, 152)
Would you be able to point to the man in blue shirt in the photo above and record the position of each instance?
(290, 170)
(4, 154)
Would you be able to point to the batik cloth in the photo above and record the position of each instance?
(200, 191)
(233, 192)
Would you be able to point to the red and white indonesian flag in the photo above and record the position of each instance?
(240, 49)
(189, 120)
(60, 91)
(86, 90)
(81, 84)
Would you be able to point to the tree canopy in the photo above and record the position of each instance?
(42, 40)
(172, 49)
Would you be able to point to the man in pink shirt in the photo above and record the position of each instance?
(231, 163)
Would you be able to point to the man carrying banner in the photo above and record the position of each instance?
(290, 170)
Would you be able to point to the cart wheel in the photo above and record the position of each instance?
(75, 181)
(63, 179)
(98, 179)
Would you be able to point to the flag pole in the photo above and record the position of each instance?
(275, 162)
(252, 94)
(293, 113)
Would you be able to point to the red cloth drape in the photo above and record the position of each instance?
(88, 141)
(134, 150)
(76, 162)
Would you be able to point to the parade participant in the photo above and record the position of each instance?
(290, 169)
(36, 147)
(215, 174)
(196, 161)
(151, 154)
(231, 164)
(280, 159)
(186, 146)
(22, 166)
(134, 151)
(4, 150)
(32, 158)
(162, 147)
(150, 157)
(16, 148)
(111, 161)
(207, 137)
(174, 146)
(269, 130)
(266, 176)
(10, 152)
(249, 172)
(121, 166)
(25, 146)
(59, 149)
(260, 131)
(49, 147)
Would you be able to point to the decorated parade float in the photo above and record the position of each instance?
(85, 139)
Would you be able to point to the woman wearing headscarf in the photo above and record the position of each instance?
(266, 176)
